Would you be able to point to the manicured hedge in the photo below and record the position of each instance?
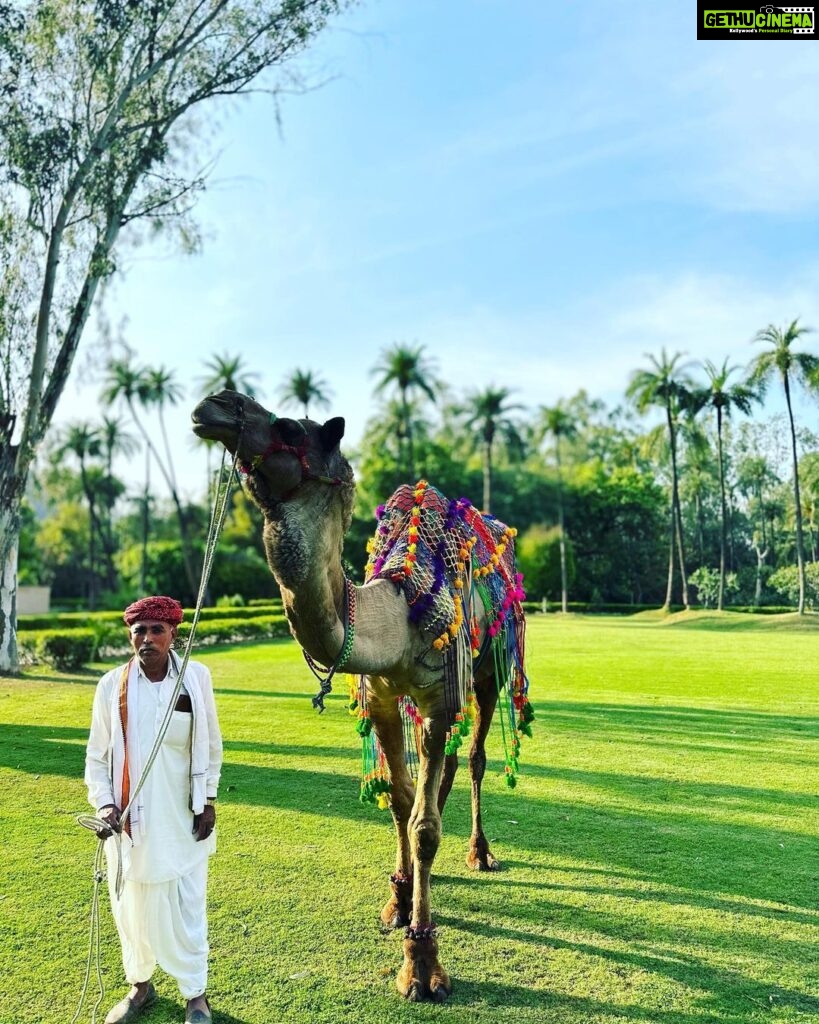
(72, 648)
(89, 620)
(63, 649)
(68, 620)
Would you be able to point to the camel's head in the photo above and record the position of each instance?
(279, 455)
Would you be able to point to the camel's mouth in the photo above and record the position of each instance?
(212, 421)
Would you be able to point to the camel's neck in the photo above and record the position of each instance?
(304, 552)
(303, 546)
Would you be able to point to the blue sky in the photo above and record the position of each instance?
(537, 193)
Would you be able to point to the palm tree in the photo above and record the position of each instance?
(791, 367)
(148, 387)
(557, 422)
(114, 440)
(667, 385)
(405, 368)
(487, 413)
(303, 387)
(227, 371)
(83, 441)
(723, 397)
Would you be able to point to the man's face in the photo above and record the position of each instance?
(151, 641)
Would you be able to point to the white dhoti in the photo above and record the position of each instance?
(161, 912)
(164, 923)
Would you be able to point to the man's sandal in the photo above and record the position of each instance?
(128, 1009)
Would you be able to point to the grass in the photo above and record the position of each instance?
(660, 851)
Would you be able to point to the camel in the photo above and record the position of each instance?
(421, 662)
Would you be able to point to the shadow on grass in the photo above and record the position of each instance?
(697, 795)
(689, 722)
(731, 997)
(655, 894)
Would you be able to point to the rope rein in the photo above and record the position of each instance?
(326, 680)
(92, 822)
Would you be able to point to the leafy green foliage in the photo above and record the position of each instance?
(538, 554)
(62, 650)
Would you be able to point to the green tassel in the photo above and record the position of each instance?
(511, 781)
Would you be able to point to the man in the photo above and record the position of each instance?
(159, 853)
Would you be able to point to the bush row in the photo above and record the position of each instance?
(68, 649)
(609, 608)
(90, 620)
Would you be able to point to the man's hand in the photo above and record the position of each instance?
(110, 814)
(204, 823)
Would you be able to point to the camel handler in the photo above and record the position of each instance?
(169, 835)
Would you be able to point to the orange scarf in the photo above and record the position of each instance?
(123, 717)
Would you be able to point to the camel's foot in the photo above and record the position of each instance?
(480, 857)
(397, 911)
(421, 976)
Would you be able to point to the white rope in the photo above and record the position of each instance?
(94, 823)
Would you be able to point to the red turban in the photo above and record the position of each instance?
(156, 609)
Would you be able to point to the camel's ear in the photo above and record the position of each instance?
(331, 433)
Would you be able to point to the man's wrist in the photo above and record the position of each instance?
(210, 800)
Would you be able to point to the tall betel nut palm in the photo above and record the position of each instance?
(487, 413)
(557, 423)
(97, 99)
(668, 386)
(723, 397)
(409, 372)
(783, 360)
(303, 387)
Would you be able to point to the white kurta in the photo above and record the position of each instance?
(161, 912)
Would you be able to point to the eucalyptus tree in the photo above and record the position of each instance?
(406, 369)
(228, 371)
(724, 397)
(793, 367)
(488, 416)
(97, 108)
(667, 385)
(303, 387)
(558, 423)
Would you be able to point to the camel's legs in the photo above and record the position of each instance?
(480, 857)
(386, 720)
(447, 778)
(421, 975)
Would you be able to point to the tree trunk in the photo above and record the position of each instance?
(9, 535)
(669, 590)
(800, 547)
(676, 514)
(146, 524)
(722, 524)
(564, 578)
(761, 555)
(487, 478)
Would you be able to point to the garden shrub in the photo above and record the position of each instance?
(66, 649)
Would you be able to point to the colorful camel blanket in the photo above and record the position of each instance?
(456, 569)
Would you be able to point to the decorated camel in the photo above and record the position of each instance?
(435, 635)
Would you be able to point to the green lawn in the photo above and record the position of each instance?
(660, 850)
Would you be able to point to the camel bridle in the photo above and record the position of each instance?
(298, 451)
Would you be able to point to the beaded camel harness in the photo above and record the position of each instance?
(450, 562)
